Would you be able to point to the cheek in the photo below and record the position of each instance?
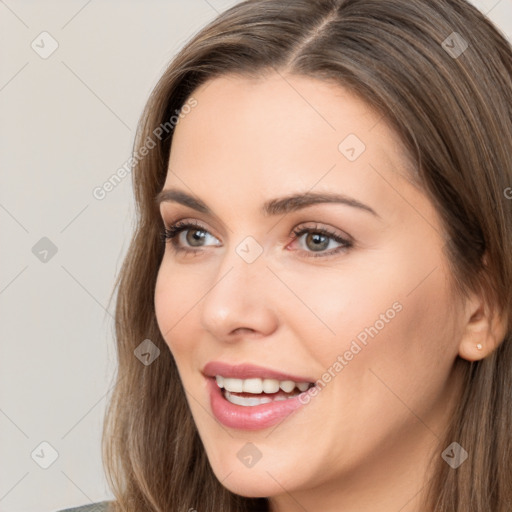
(175, 296)
(333, 307)
(401, 319)
(388, 311)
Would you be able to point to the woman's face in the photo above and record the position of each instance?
(373, 322)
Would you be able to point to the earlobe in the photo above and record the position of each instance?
(473, 352)
(484, 331)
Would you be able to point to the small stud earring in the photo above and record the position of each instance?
(479, 346)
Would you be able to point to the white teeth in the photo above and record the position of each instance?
(287, 385)
(247, 401)
(252, 386)
(258, 386)
(235, 385)
(303, 386)
(270, 386)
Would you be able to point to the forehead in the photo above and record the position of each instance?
(277, 131)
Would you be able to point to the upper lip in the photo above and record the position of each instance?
(248, 371)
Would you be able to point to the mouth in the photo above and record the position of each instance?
(251, 397)
(257, 391)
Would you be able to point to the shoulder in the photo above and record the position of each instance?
(100, 506)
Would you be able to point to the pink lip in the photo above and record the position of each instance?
(251, 417)
(247, 371)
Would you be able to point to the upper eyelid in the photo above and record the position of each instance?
(183, 218)
(188, 223)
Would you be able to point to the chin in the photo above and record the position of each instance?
(251, 484)
(260, 481)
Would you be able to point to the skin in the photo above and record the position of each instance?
(363, 443)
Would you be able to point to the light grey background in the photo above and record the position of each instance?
(67, 124)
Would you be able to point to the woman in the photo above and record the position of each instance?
(314, 312)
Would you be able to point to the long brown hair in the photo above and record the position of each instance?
(440, 73)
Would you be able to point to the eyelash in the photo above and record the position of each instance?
(169, 235)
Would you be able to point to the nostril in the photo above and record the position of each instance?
(242, 330)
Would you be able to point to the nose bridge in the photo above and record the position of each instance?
(239, 296)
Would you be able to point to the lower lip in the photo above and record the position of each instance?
(252, 417)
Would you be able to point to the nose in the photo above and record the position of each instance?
(240, 299)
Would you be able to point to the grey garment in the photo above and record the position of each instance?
(100, 506)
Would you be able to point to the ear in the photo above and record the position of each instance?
(485, 328)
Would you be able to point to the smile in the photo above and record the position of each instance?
(254, 411)
(257, 385)
(239, 391)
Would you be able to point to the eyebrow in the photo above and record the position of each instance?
(277, 206)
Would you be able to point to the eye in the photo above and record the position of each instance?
(318, 239)
(185, 233)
